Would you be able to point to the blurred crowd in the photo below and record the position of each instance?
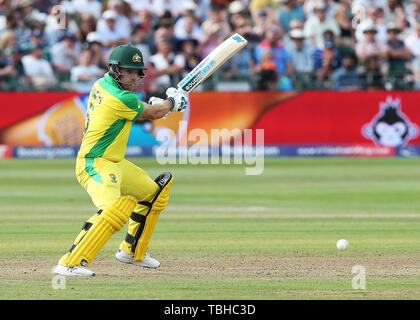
(293, 44)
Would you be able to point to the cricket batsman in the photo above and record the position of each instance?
(119, 189)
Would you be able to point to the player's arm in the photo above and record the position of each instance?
(158, 108)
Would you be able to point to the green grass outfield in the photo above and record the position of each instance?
(225, 235)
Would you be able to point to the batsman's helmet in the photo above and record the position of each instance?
(127, 56)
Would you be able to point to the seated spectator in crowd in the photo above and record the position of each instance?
(215, 29)
(272, 43)
(38, 70)
(343, 16)
(122, 23)
(346, 77)
(164, 30)
(64, 56)
(300, 52)
(189, 50)
(372, 77)
(326, 61)
(372, 15)
(370, 46)
(289, 11)
(398, 53)
(93, 7)
(240, 22)
(413, 13)
(139, 38)
(188, 28)
(94, 42)
(267, 73)
(84, 75)
(316, 25)
(412, 41)
(87, 25)
(166, 65)
(110, 35)
(12, 75)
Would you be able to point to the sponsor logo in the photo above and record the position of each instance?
(238, 39)
(390, 126)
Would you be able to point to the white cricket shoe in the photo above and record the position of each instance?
(77, 271)
(147, 262)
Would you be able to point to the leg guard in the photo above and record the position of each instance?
(140, 239)
(111, 219)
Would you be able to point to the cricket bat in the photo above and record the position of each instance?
(212, 62)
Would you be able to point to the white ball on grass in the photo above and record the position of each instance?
(342, 244)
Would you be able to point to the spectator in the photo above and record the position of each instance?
(370, 46)
(413, 13)
(93, 7)
(166, 65)
(110, 35)
(140, 39)
(38, 70)
(188, 28)
(326, 61)
(398, 54)
(94, 42)
(215, 29)
(87, 25)
(289, 11)
(7, 39)
(261, 23)
(372, 77)
(64, 56)
(316, 25)
(346, 78)
(392, 10)
(267, 75)
(122, 23)
(84, 75)
(374, 16)
(272, 42)
(12, 75)
(189, 50)
(240, 22)
(412, 42)
(343, 16)
(300, 52)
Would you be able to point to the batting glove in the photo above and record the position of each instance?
(177, 99)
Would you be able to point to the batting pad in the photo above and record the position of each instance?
(158, 205)
(112, 219)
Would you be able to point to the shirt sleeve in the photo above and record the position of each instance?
(130, 107)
